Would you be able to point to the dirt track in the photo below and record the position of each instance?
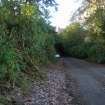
(90, 79)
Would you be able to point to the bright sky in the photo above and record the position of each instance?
(66, 8)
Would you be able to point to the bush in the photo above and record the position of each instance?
(97, 50)
(78, 43)
(73, 41)
(26, 41)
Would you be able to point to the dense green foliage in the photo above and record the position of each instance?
(73, 38)
(79, 42)
(87, 40)
(26, 41)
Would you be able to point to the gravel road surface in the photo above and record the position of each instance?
(90, 79)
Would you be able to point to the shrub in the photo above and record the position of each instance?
(80, 43)
(73, 41)
(26, 41)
